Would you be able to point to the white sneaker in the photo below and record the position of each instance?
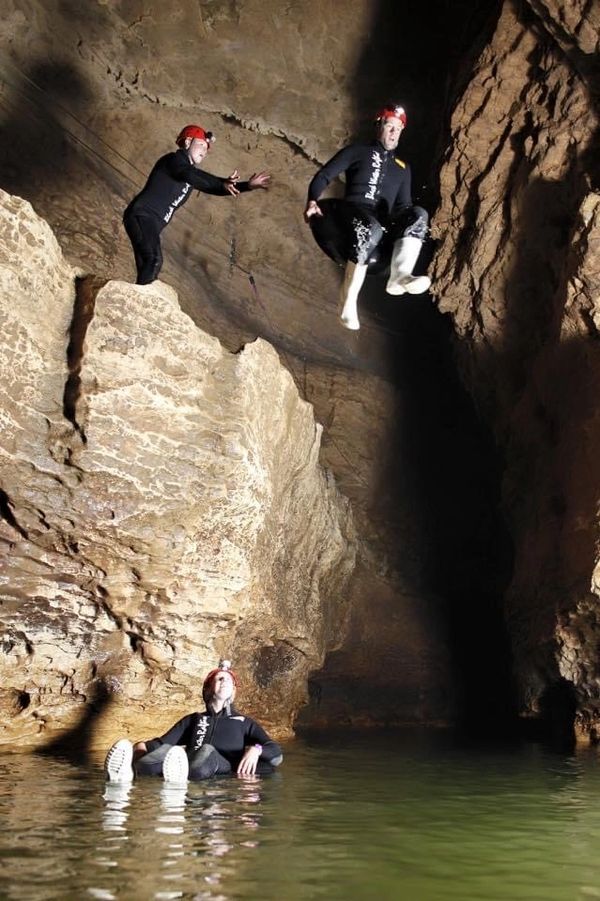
(176, 765)
(117, 765)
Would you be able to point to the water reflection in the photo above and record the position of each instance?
(389, 818)
(115, 812)
(197, 824)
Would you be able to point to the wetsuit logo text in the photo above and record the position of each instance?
(375, 175)
(178, 200)
(201, 730)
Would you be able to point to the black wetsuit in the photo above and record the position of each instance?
(169, 186)
(215, 744)
(377, 202)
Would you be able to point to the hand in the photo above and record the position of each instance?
(231, 182)
(139, 749)
(259, 180)
(247, 765)
(312, 209)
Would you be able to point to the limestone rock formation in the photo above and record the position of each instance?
(163, 504)
(518, 268)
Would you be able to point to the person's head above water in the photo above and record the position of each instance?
(196, 141)
(390, 123)
(219, 685)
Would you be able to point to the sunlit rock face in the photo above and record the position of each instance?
(163, 504)
(518, 267)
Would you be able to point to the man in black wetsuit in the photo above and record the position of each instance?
(377, 201)
(220, 741)
(169, 186)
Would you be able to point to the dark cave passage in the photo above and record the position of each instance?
(447, 474)
(455, 472)
(454, 467)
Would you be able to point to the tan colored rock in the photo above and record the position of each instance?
(177, 511)
(519, 270)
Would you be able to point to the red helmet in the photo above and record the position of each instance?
(223, 667)
(391, 112)
(194, 131)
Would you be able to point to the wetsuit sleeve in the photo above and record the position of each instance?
(336, 165)
(404, 196)
(255, 734)
(183, 171)
(173, 736)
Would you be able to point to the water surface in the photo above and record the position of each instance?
(402, 816)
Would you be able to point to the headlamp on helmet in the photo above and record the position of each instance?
(207, 686)
(391, 112)
(194, 131)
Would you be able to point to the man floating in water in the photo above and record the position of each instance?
(169, 186)
(377, 209)
(218, 742)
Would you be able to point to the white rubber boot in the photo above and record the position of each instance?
(354, 277)
(404, 257)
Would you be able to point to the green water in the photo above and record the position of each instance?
(406, 816)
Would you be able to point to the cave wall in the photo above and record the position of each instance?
(92, 95)
(518, 269)
(163, 505)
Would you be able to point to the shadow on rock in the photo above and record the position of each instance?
(75, 743)
(35, 150)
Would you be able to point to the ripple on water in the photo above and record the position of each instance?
(403, 816)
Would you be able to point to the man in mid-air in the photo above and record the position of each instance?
(377, 204)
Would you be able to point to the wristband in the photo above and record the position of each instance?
(259, 747)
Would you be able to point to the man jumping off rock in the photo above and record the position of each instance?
(377, 203)
(169, 186)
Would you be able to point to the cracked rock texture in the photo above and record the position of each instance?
(163, 504)
(518, 268)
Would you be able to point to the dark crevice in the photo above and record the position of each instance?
(7, 514)
(83, 311)
(22, 700)
(135, 641)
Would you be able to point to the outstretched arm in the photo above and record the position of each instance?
(234, 186)
(184, 171)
